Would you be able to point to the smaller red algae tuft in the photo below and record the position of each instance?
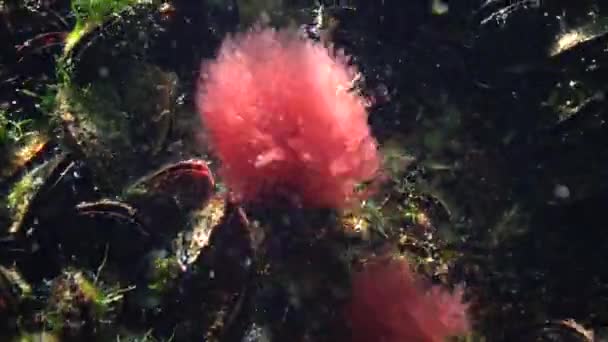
(283, 122)
(391, 304)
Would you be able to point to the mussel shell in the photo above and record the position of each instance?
(169, 35)
(160, 214)
(14, 293)
(189, 243)
(31, 192)
(230, 250)
(12, 288)
(91, 234)
(212, 294)
(40, 202)
(111, 225)
(119, 124)
(116, 109)
(121, 38)
(19, 157)
(189, 182)
(128, 66)
(19, 160)
(562, 331)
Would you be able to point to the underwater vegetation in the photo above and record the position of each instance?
(291, 170)
(91, 13)
(301, 133)
(390, 303)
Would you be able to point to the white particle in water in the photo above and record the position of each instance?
(561, 191)
(103, 72)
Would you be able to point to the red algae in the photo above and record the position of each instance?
(283, 121)
(390, 304)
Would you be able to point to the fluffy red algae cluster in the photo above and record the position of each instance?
(390, 304)
(282, 119)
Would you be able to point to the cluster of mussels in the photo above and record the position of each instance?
(107, 222)
(113, 227)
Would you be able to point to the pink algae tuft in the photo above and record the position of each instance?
(390, 304)
(283, 122)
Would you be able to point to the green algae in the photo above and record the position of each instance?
(92, 13)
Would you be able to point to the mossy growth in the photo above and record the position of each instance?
(19, 154)
(20, 197)
(20, 191)
(12, 131)
(92, 13)
(381, 218)
(164, 273)
(94, 125)
(22, 185)
(107, 106)
(22, 138)
(14, 290)
(76, 300)
(37, 337)
(24, 192)
(118, 123)
(96, 107)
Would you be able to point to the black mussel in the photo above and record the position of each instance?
(189, 243)
(34, 193)
(207, 300)
(189, 182)
(13, 288)
(17, 158)
(91, 234)
(111, 228)
(120, 124)
(567, 330)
